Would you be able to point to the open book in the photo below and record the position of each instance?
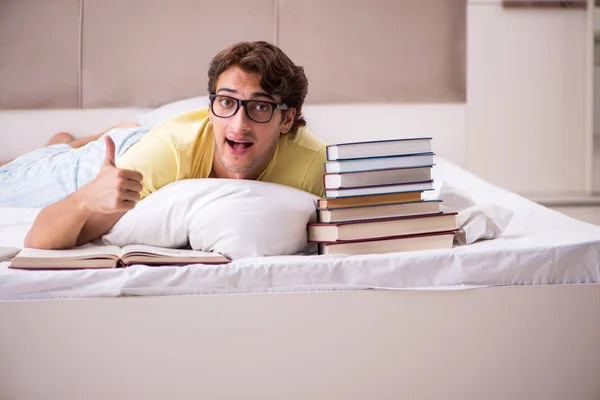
(112, 257)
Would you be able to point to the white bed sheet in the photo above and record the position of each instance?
(540, 246)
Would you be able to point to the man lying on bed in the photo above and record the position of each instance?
(253, 130)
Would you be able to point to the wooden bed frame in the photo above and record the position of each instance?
(527, 342)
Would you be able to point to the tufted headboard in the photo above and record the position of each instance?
(73, 54)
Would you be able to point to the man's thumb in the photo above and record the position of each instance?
(109, 158)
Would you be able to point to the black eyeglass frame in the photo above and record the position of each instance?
(244, 103)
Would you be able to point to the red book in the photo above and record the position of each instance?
(381, 228)
(394, 244)
(347, 214)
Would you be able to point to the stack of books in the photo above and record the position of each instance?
(373, 200)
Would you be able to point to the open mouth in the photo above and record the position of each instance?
(238, 146)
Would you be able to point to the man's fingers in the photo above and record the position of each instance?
(131, 175)
(109, 157)
(132, 186)
(128, 195)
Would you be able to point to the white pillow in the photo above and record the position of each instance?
(238, 218)
(154, 117)
(474, 221)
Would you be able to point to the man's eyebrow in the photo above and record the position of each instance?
(227, 90)
(263, 94)
(254, 95)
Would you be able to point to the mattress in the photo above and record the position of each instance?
(539, 246)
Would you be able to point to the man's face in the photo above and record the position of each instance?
(244, 148)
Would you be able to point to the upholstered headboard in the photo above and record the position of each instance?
(144, 53)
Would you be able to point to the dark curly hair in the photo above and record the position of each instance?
(278, 74)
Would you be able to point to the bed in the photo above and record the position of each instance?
(514, 317)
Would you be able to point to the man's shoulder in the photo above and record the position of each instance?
(305, 140)
(182, 129)
(189, 117)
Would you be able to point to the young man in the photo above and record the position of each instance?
(253, 130)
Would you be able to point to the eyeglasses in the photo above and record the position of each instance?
(257, 110)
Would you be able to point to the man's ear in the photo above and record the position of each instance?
(288, 120)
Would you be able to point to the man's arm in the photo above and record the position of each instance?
(91, 211)
(66, 224)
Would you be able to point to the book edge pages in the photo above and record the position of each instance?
(352, 192)
(332, 152)
(71, 254)
(58, 264)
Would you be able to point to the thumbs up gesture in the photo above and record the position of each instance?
(109, 157)
(113, 190)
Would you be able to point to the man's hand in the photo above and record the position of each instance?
(113, 190)
(91, 211)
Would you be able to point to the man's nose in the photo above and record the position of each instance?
(240, 121)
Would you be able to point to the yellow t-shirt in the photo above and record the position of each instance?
(183, 147)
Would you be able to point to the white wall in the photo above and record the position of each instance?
(523, 126)
(356, 122)
(26, 130)
(526, 107)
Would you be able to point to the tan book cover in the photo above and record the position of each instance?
(356, 201)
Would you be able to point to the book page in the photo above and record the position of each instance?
(163, 251)
(86, 252)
